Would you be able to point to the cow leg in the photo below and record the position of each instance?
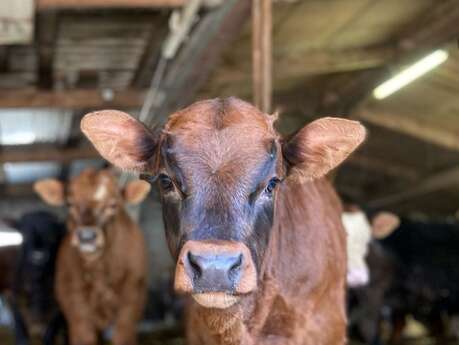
(55, 326)
(132, 303)
(398, 324)
(20, 329)
(82, 333)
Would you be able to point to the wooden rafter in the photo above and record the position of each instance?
(37, 153)
(433, 183)
(71, 99)
(197, 59)
(87, 4)
(262, 54)
(46, 37)
(383, 167)
(409, 126)
(433, 30)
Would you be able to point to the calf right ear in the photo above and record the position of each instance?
(321, 146)
(120, 139)
(383, 224)
(50, 191)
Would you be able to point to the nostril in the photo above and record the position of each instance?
(235, 268)
(237, 264)
(195, 267)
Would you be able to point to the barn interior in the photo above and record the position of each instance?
(305, 59)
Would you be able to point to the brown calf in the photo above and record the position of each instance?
(101, 267)
(254, 228)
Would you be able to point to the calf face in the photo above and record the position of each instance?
(219, 165)
(93, 199)
(359, 234)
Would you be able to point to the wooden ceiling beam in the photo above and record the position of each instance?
(433, 30)
(90, 4)
(71, 99)
(382, 166)
(48, 152)
(409, 126)
(190, 69)
(46, 37)
(433, 183)
(262, 54)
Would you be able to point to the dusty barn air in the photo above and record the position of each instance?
(253, 225)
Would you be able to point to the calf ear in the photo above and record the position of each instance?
(136, 191)
(383, 224)
(321, 146)
(50, 191)
(120, 139)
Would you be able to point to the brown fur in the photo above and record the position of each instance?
(220, 144)
(301, 296)
(110, 290)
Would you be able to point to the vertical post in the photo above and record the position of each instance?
(262, 53)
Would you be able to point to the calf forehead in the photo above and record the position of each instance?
(220, 138)
(357, 227)
(93, 186)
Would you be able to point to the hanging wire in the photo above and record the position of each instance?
(180, 24)
(154, 91)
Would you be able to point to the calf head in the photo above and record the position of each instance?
(93, 199)
(219, 165)
(359, 234)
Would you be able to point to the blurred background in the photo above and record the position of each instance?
(60, 59)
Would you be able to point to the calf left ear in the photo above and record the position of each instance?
(120, 139)
(136, 191)
(50, 191)
(321, 146)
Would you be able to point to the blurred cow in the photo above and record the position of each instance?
(28, 272)
(101, 267)
(413, 272)
(426, 285)
(360, 233)
(370, 270)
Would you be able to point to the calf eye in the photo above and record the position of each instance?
(165, 182)
(271, 185)
(148, 178)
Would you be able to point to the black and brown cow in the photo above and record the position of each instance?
(253, 226)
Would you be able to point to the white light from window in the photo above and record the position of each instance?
(10, 238)
(410, 74)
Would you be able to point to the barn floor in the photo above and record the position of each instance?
(162, 337)
(172, 336)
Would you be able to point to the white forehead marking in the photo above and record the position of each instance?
(358, 231)
(101, 192)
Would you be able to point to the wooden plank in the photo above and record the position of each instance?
(46, 37)
(383, 167)
(197, 59)
(38, 153)
(88, 4)
(70, 99)
(151, 53)
(436, 29)
(433, 183)
(409, 126)
(262, 54)
(16, 21)
(17, 190)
